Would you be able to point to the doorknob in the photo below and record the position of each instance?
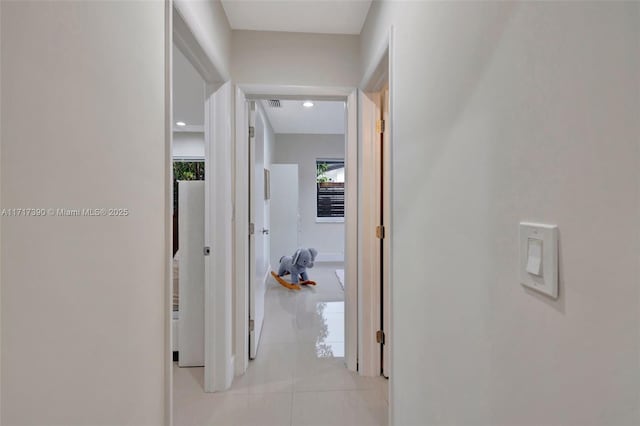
(265, 231)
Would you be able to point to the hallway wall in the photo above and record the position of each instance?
(278, 58)
(327, 238)
(513, 112)
(188, 145)
(210, 27)
(84, 298)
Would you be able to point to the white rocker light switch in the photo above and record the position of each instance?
(539, 257)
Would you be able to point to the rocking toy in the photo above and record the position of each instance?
(296, 266)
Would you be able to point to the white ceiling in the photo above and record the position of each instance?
(325, 117)
(300, 16)
(188, 94)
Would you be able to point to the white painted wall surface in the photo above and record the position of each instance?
(187, 91)
(511, 112)
(303, 150)
(278, 58)
(83, 126)
(188, 145)
(208, 23)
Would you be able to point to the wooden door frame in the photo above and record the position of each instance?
(246, 92)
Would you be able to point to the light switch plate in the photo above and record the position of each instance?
(547, 282)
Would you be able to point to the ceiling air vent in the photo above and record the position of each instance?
(274, 103)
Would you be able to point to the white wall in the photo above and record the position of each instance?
(83, 126)
(188, 92)
(327, 238)
(512, 112)
(188, 145)
(277, 58)
(208, 23)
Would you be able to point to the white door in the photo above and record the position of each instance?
(258, 262)
(386, 242)
(284, 211)
(191, 273)
(218, 224)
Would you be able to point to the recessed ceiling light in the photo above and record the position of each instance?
(181, 123)
(307, 104)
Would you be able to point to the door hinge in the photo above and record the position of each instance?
(252, 132)
(380, 126)
(251, 325)
(380, 232)
(207, 251)
(252, 229)
(380, 337)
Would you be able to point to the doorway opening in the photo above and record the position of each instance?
(297, 206)
(201, 260)
(189, 169)
(375, 243)
(301, 216)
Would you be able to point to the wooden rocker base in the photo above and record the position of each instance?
(284, 283)
(308, 282)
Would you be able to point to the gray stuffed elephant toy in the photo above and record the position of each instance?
(296, 265)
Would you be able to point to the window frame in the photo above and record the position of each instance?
(328, 219)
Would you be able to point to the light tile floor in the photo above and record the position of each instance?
(298, 378)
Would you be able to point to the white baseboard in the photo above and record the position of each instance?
(330, 257)
(267, 274)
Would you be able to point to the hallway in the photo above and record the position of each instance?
(299, 377)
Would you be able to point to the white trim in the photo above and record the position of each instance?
(241, 231)
(187, 158)
(189, 128)
(292, 92)
(232, 364)
(329, 219)
(379, 72)
(351, 233)
(329, 257)
(392, 138)
(168, 218)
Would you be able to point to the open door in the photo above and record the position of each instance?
(285, 211)
(218, 360)
(386, 225)
(258, 229)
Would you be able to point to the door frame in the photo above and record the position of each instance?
(379, 74)
(245, 92)
(182, 30)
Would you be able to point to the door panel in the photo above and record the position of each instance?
(285, 208)
(218, 372)
(386, 243)
(258, 263)
(191, 279)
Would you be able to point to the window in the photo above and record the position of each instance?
(330, 190)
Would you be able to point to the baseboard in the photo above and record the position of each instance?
(231, 370)
(330, 257)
